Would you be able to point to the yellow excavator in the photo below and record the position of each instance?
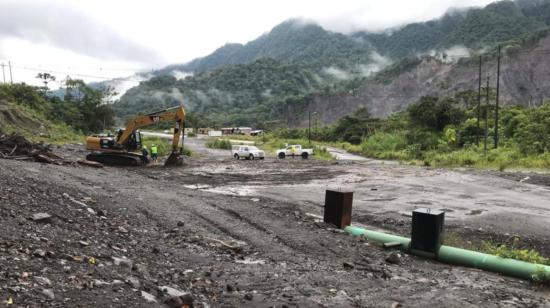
(125, 147)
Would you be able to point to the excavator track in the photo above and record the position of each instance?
(115, 159)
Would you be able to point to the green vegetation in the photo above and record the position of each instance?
(443, 132)
(542, 276)
(255, 94)
(38, 115)
(512, 252)
(219, 144)
(34, 125)
(164, 146)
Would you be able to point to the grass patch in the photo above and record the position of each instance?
(512, 252)
(503, 158)
(394, 146)
(219, 144)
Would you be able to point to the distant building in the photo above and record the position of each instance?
(256, 132)
(188, 130)
(228, 130)
(204, 130)
(215, 133)
(236, 130)
(244, 130)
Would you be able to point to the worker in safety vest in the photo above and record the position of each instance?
(293, 151)
(154, 153)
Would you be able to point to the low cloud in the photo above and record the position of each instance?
(337, 73)
(177, 95)
(62, 26)
(451, 54)
(180, 74)
(378, 62)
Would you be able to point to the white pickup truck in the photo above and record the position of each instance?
(248, 152)
(294, 150)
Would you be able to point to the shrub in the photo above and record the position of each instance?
(383, 142)
(541, 276)
(435, 113)
(424, 139)
(219, 144)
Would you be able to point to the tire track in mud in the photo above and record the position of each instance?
(298, 237)
(230, 223)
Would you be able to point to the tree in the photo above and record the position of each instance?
(354, 128)
(435, 114)
(85, 108)
(46, 78)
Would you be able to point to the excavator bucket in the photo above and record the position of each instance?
(175, 159)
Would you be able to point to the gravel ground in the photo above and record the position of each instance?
(205, 235)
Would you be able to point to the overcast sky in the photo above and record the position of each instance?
(106, 38)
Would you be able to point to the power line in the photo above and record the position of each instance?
(36, 69)
(11, 76)
(3, 72)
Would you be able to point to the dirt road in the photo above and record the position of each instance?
(243, 234)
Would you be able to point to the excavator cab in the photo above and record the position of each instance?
(134, 142)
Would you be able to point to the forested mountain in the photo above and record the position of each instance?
(297, 63)
(473, 28)
(243, 93)
(292, 40)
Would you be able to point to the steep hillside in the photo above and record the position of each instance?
(524, 81)
(25, 111)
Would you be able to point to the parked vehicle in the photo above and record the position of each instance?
(294, 150)
(248, 152)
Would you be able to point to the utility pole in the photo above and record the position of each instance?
(496, 101)
(316, 118)
(478, 102)
(3, 72)
(287, 115)
(486, 118)
(11, 76)
(309, 129)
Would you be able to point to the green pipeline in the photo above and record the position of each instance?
(458, 256)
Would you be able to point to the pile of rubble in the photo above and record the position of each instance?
(15, 146)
